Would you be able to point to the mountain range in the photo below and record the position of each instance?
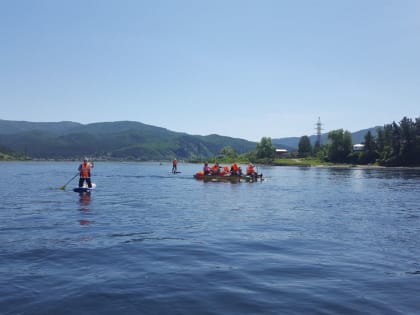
(110, 140)
(122, 140)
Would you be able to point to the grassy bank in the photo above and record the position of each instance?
(313, 162)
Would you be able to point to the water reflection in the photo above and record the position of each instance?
(84, 222)
(84, 201)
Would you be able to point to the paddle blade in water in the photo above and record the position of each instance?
(64, 186)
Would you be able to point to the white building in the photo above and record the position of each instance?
(358, 147)
(281, 152)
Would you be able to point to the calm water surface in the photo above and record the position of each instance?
(304, 241)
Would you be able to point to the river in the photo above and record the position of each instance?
(306, 240)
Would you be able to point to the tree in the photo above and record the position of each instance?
(228, 152)
(395, 144)
(408, 141)
(369, 155)
(380, 140)
(317, 148)
(304, 147)
(340, 145)
(384, 143)
(417, 145)
(370, 144)
(265, 149)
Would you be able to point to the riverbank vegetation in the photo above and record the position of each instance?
(395, 144)
(7, 155)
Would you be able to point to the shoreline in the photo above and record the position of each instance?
(295, 163)
(349, 166)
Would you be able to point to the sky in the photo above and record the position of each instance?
(244, 69)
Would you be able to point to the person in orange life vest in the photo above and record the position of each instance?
(206, 169)
(234, 169)
(250, 170)
(225, 171)
(174, 163)
(215, 169)
(84, 170)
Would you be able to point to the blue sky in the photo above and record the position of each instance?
(246, 69)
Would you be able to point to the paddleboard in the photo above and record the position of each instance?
(85, 188)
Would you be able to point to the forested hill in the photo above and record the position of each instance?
(110, 140)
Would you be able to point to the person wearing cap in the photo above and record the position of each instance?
(84, 170)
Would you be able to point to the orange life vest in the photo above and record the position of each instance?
(85, 170)
(215, 168)
(250, 169)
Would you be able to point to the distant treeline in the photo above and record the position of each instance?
(395, 144)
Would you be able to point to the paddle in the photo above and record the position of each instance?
(64, 186)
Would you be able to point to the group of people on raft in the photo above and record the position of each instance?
(234, 170)
(215, 170)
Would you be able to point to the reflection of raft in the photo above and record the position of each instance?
(228, 178)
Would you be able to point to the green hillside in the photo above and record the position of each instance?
(111, 140)
(13, 127)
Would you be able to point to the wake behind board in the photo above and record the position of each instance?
(85, 188)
